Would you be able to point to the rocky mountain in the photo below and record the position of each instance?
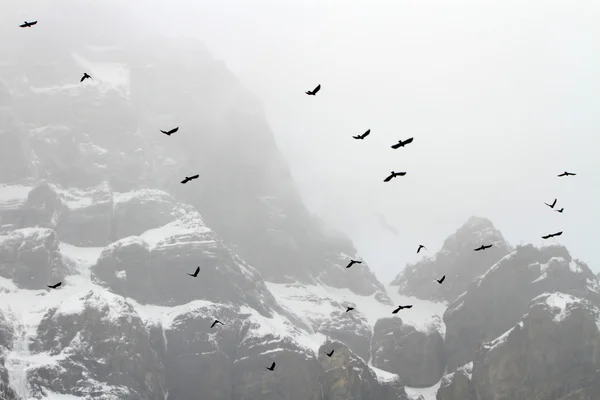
(90, 197)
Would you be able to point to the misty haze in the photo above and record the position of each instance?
(299, 200)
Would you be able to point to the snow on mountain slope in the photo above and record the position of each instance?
(428, 393)
(314, 304)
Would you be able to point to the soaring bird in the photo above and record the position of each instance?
(195, 274)
(349, 309)
(330, 353)
(552, 235)
(272, 367)
(55, 286)
(28, 24)
(567, 174)
(393, 175)
(215, 323)
(314, 91)
(189, 178)
(441, 279)
(551, 205)
(85, 76)
(421, 247)
(400, 308)
(402, 143)
(352, 262)
(483, 247)
(364, 135)
(169, 133)
(561, 210)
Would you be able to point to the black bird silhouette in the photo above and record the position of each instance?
(567, 174)
(551, 205)
(55, 286)
(441, 279)
(330, 353)
(216, 322)
(85, 76)
(402, 143)
(400, 308)
(561, 210)
(393, 175)
(272, 367)
(552, 235)
(352, 262)
(28, 24)
(421, 247)
(313, 92)
(364, 135)
(483, 247)
(189, 178)
(349, 309)
(169, 133)
(195, 274)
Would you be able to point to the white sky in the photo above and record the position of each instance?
(500, 96)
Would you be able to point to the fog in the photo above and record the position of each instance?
(500, 96)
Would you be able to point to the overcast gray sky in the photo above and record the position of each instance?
(500, 96)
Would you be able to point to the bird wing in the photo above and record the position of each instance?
(82, 79)
(389, 178)
(173, 130)
(443, 277)
(396, 145)
(33, 23)
(563, 174)
(185, 180)
(358, 262)
(197, 270)
(409, 140)
(364, 135)
(557, 233)
(479, 248)
(357, 137)
(396, 310)
(546, 237)
(350, 264)
(213, 324)
(273, 365)
(317, 89)
(195, 176)
(401, 173)
(166, 133)
(410, 306)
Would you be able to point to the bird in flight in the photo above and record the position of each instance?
(352, 262)
(330, 353)
(314, 91)
(55, 286)
(441, 279)
(85, 76)
(400, 308)
(189, 178)
(402, 143)
(28, 24)
(393, 175)
(567, 174)
(215, 323)
(561, 210)
(195, 274)
(551, 205)
(483, 247)
(349, 309)
(364, 135)
(421, 247)
(169, 133)
(272, 367)
(552, 235)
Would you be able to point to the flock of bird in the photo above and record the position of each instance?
(393, 174)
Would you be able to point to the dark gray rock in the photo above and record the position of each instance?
(43, 208)
(346, 376)
(137, 211)
(350, 328)
(31, 258)
(552, 354)
(499, 298)
(101, 347)
(456, 260)
(457, 385)
(417, 357)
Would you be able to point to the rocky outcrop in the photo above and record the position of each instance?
(416, 356)
(457, 385)
(553, 353)
(43, 208)
(31, 258)
(346, 376)
(476, 316)
(456, 260)
(350, 328)
(99, 347)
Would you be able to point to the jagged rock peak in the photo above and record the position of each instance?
(457, 260)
